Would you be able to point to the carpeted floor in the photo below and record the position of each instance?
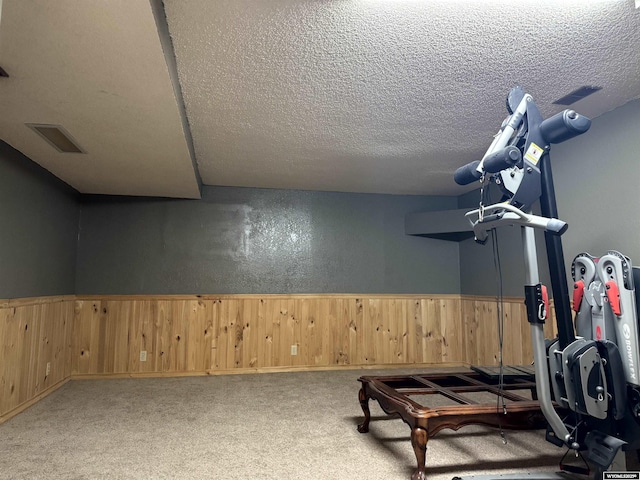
(264, 426)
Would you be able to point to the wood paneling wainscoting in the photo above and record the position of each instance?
(240, 333)
(94, 336)
(34, 332)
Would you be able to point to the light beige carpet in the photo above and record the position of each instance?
(263, 426)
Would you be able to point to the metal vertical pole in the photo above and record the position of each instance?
(555, 256)
(537, 336)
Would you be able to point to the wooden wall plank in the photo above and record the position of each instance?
(120, 314)
(198, 334)
(261, 336)
(81, 337)
(314, 333)
(455, 347)
(388, 307)
(147, 340)
(48, 339)
(271, 314)
(289, 331)
(431, 337)
(33, 334)
(334, 327)
(375, 315)
(303, 307)
(12, 346)
(208, 334)
(29, 323)
(163, 336)
(396, 327)
(486, 332)
(469, 326)
(346, 357)
(215, 338)
(256, 320)
(274, 326)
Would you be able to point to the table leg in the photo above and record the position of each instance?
(364, 403)
(419, 439)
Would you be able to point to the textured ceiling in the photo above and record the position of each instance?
(385, 96)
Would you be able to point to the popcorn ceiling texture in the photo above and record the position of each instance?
(380, 96)
(383, 96)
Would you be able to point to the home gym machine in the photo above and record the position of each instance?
(591, 371)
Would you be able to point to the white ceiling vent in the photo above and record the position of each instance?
(57, 137)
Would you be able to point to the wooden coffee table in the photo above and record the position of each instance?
(394, 393)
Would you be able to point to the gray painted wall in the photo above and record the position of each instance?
(241, 240)
(597, 177)
(39, 234)
(268, 241)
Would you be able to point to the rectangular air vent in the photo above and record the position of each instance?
(57, 137)
(577, 94)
